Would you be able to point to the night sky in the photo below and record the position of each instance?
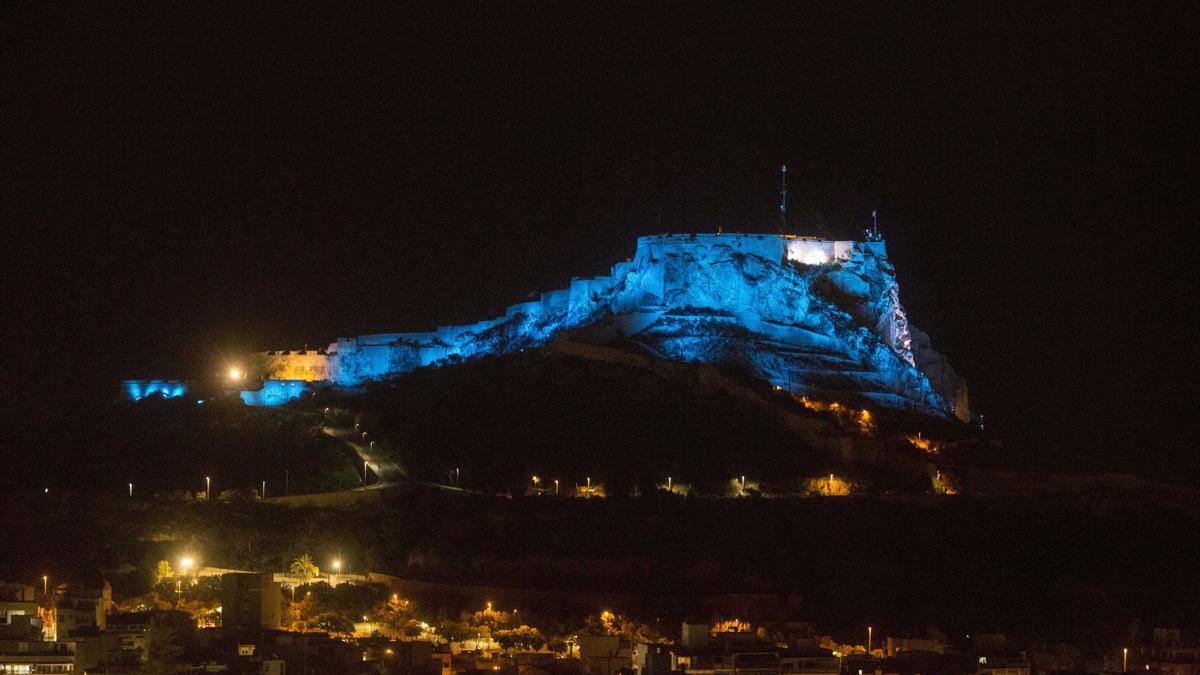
(182, 187)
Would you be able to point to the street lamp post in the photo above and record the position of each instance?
(365, 467)
(131, 489)
(207, 488)
(45, 585)
(869, 632)
(1124, 659)
(263, 494)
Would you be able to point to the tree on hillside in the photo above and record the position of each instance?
(332, 623)
(304, 567)
(524, 637)
(163, 572)
(167, 642)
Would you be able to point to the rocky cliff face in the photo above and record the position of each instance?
(831, 326)
(834, 329)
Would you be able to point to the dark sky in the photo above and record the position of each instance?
(183, 186)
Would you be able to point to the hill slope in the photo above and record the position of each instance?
(571, 411)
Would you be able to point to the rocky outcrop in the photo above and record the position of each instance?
(815, 317)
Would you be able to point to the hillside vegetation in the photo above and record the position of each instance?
(624, 420)
(170, 446)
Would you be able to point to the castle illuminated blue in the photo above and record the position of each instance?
(815, 316)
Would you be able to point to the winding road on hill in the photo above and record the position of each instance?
(386, 470)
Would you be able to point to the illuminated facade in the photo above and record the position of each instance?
(136, 390)
(814, 316)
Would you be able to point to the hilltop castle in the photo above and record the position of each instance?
(813, 316)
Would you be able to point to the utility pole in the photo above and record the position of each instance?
(783, 198)
(873, 234)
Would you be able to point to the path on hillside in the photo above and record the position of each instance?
(386, 470)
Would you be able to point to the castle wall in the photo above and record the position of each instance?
(661, 274)
(819, 251)
(767, 246)
(275, 392)
(307, 366)
(650, 277)
(136, 390)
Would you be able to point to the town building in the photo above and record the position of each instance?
(604, 654)
(1003, 665)
(897, 645)
(35, 658)
(19, 619)
(1167, 653)
(250, 602)
(77, 608)
(701, 653)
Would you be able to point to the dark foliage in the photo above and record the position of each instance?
(503, 420)
(171, 445)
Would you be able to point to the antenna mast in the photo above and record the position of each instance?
(783, 197)
(874, 234)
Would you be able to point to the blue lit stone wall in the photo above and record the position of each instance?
(818, 317)
(136, 390)
(275, 392)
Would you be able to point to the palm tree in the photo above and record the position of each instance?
(304, 567)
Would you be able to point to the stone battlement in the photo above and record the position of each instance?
(349, 360)
(791, 308)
